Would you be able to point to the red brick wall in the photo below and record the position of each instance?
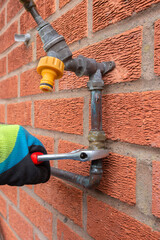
(126, 204)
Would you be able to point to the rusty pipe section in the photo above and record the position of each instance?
(55, 46)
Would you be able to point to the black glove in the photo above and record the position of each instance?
(16, 166)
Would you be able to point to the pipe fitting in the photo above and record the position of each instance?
(95, 81)
(54, 44)
(96, 140)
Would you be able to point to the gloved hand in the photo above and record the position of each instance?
(16, 166)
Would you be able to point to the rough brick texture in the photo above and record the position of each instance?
(63, 197)
(7, 38)
(20, 226)
(48, 142)
(9, 88)
(132, 117)
(106, 12)
(2, 66)
(62, 3)
(20, 56)
(10, 192)
(157, 48)
(2, 17)
(124, 49)
(37, 238)
(30, 81)
(75, 21)
(19, 113)
(40, 50)
(64, 232)
(46, 8)
(156, 189)
(6, 231)
(2, 113)
(13, 7)
(63, 115)
(2, 3)
(36, 213)
(3, 207)
(104, 222)
(26, 22)
(119, 178)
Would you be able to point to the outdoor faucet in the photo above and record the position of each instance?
(51, 67)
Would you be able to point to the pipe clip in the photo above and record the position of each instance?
(22, 38)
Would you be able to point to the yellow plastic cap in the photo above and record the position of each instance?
(50, 68)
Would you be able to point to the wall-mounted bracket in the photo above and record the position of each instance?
(22, 38)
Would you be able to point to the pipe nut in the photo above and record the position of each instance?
(96, 140)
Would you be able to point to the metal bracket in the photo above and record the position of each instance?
(22, 38)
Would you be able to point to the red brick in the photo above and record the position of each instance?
(19, 113)
(123, 49)
(2, 17)
(45, 8)
(13, 7)
(3, 207)
(156, 188)
(103, 221)
(62, 3)
(19, 56)
(48, 142)
(64, 232)
(2, 66)
(63, 115)
(75, 21)
(37, 214)
(6, 231)
(119, 178)
(10, 192)
(7, 38)
(157, 48)
(40, 51)
(2, 113)
(63, 197)
(132, 117)
(26, 22)
(106, 12)
(30, 81)
(20, 225)
(71, 165)
(37, 238)
(2, 3)
(9, 88)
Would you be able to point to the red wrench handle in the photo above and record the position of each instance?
(34, 157)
